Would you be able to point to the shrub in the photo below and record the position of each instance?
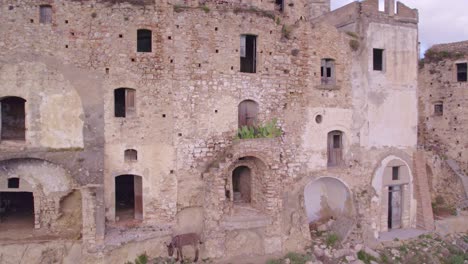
(332, 239)
(365, 257)
(354, 44)
(267, 130)
(286, 31)
(296, 258)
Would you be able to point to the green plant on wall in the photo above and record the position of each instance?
(269, 129)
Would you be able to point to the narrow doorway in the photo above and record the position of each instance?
(241, 184)
(335, 148)
(248, 111)
(16, 210)
(128, 198)
(394, 207)
(248, 53)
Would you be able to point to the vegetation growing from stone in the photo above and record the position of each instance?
(181, 8)
(332, 239)
(366, 258)
(294, 258)
(286, 31)
(141, 259)
(267, 130)
(433, 56)
(257, 11)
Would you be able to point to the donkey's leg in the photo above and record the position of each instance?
(181, 255)
(196, 251)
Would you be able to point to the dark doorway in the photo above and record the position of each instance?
(241, 184)
(128, 197)
(124, 102)
(144, 40)
(248, 53)
(335, 148)
(394, 207)
(16, 210)
(13, 118)
(248, 111)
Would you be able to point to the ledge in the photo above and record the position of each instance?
(327, 87)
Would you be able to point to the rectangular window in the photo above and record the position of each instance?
(45, 14)
(336, 141)
(280, 5)
(124, 102)
(438, 109)
(396, 173)
(462, 72)
(378, 59)
(248, 53)
(144, 40)
(327, 71)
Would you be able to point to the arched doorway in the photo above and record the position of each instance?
(393, 185)
(241, 184)
(128, 197)
(327, 198)
(247, 112)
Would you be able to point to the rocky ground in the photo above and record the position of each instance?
(429, 248)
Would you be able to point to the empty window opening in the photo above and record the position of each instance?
(128, 198)
(395, 173)
(280, 5)
(13, 118)
(462, 72)
(247, 113)
(144, 40)
(124, 102)
(438, 109)
(248, 53)
(394, 207)
(131, 155)
(241, 184)
(335, 148)
(382, 5)
(16, 210)
(327, 71)
(45, 14)
(13, 183)
(378, 59)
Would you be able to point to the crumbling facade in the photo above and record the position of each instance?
(442, 121)
(135, 106)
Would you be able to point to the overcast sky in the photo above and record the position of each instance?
(440, 21)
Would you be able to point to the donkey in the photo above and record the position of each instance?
(184, 240)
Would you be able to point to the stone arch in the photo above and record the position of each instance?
(395, 206)
(259, 174)
(47, 182)
(327, 197)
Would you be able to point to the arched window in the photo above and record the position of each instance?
(13, 118)
(247, 113)
(144, 40)
(124, 102)
(45, 14)
(335, 148)
(131, 155)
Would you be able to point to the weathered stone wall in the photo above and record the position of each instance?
(186, 114)
(444, 135)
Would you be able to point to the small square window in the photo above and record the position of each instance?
(13, 183)
(395, 173)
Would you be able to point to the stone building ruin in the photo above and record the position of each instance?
(120, 118)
